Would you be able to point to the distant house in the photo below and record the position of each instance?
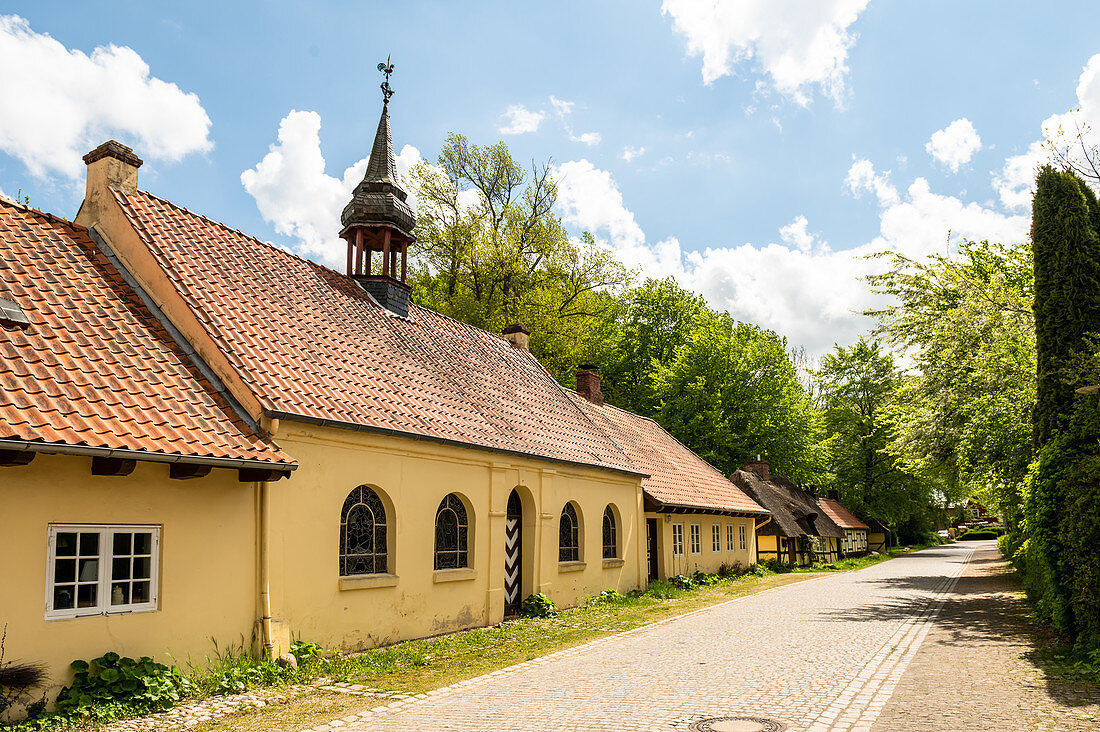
(878, 535)
(800, 532)
(855, 540)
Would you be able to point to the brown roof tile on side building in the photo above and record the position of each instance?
(841, 516)
(678, 478)
(92, 370)
(312, 345)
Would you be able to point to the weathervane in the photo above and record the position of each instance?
(387, 69)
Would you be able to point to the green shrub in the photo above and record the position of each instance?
(702, 579)
(730, 570)
(137, 686)
(305, 652)
(607, 597)
(538, 606)
(681, 582)
(252, 673)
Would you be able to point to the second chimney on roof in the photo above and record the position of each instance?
(112, 165)
(588, 383)
(518, 335)
(760, 467)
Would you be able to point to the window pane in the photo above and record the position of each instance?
(122, 543)
(143, 543)
(66, 544)
(85, 595)
(120, 568)
(89, 545)
(63, 597)
(64, 570)
(89, 570)
(120, 593)
(142, 567)
(140, 592)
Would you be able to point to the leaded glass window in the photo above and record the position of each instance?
(452, 534)
(610, 545)
(363, 534)
(569, 549)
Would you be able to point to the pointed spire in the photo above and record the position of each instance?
(382, 166)
(379, 200)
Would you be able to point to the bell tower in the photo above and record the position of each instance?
(377, 224)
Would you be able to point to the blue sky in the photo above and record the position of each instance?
(781, 139)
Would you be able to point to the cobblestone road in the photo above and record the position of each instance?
(825, 654)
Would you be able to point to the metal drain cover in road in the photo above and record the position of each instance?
(737, 724)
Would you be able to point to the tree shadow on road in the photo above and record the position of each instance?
(985, 608)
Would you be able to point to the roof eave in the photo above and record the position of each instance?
(59, 448)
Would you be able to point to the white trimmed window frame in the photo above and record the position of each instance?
(677, 540)
(744, 541)
(730, 545)
(696, 540)
(103, 581)
(716, 538)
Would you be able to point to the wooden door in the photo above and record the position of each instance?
(651, 546)
(513, 556)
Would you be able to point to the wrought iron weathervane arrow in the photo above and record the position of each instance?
(387, 69)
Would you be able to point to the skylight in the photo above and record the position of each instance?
(10, 312)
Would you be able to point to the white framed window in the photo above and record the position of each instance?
(696, 541)
(744, 543)
(98, 570)
(677, 540)
(730, 546)
(716, 538)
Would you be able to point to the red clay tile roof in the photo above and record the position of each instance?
(94, 368)
(310, 343)
(841, 516)
(677, 476)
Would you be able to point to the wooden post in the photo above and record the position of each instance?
(358, 251)
(404, 251)
(386, 255)
(350, 260)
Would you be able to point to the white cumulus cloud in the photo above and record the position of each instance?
(1016, 179)
(955, 144)
(295, 194)
(798, 285)
(797, 44)
(519, 120)
(63, 102)
(629, 153)
(588, 138)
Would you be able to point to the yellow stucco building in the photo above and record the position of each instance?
(209, 439)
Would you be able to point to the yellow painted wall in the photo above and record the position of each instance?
(412, 477)
(876, 541)
(208, 584)
(707, 560)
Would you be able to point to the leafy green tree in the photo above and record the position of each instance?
(857, 387)
(1067, 291)
(731, 393)
(490, 251)
(962, 415)
(654, 322)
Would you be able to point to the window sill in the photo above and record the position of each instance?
(571, 566)
(454, 575)
(366, 581)
(612, 563)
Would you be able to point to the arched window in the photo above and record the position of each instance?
(568, 535)
(610, 545)
(362, 533)
(452, 534)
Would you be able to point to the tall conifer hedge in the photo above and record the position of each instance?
(1061, 556)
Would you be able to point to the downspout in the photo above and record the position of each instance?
(265, 571)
